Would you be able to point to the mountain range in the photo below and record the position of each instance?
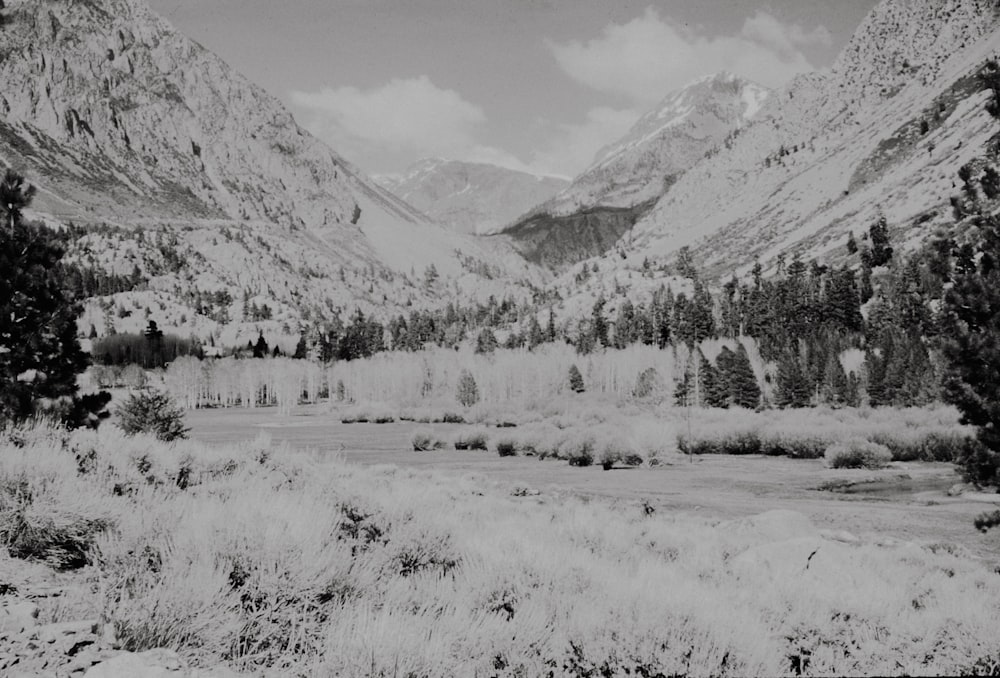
(470, 197)
(180, 168)
(126, 125)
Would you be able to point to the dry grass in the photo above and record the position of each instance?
(274, 562)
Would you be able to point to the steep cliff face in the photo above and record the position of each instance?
(470, 197)
(884, 132)
(164, 118)
(628, 175)
(121, 120)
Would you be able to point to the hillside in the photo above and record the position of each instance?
(470, 197)
(626, 178)
(885, 132)
(121, 121)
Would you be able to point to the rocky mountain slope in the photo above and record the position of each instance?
(885, 132)
(470, 197)
(120, 120)
(606, 200)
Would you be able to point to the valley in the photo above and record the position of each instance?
(566, 342)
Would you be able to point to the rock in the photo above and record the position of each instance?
(18, 617)
(841, 536)
(956, 489)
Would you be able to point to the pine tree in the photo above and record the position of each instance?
(467, 393)
(154, 412)
(40, 355)
(598, 325)
(971, 347)
(486, 341)
(575, 379)
(713, 387)
(301, 348)
(260, 348)
(535, 336)
(743, 388)
(791, 387)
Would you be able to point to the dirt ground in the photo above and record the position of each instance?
(905, 502)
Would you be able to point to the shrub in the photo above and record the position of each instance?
(467, 393)
(650, 383)
(425, 440)
(471, 440)
(857, 453)
(506, 447)
(154, 412)
(452, 418)
(578, 449)
(575, 379)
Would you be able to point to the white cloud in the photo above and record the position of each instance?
(650, 56)
(400, 121)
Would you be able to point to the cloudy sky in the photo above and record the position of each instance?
(539, 85)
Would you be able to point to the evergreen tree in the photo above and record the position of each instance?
(791, 386)
(486, 341)
(598, 325)
(535, 335)
(40, 356)
(154, 412)
(971, 347)
(550, 329)
(835, 390)
(575, 379)
(743, 388)
(15, 195)
(260, 348)
(301, 348)
(881, 252)
(626, 332)
(467, 393)
(712, 384)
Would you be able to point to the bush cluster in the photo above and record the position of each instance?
(856, 453)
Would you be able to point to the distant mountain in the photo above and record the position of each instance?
(884, 133)
(603, 202)
(470, 197)
(122, 121)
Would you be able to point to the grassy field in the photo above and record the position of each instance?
(908, 502)
(284, 563)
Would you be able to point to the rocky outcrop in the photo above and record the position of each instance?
(586, 218)
(883, 133)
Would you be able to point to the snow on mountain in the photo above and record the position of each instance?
(470, 197)
(121, 120)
